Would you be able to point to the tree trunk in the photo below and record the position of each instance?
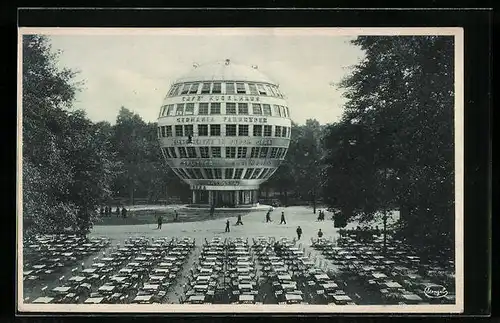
(131, 193)
(385, 232)
(314, 201)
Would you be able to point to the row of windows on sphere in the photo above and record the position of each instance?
(227, 152)
(224, 173)
(231, 130)
(216, 108)
(225, 88)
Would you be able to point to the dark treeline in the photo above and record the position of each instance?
(391, 150)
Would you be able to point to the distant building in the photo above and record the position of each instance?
(224, 129)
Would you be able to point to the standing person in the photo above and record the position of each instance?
(117, 211)
(124, 212)
(283, 217)
(212, 210)
(176, 216)
(239, 220)
(160, 221)
(320, 234)
(227, 226)
(299, 232)
(268, 216)
(101, 211)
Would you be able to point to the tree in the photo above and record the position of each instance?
(65, 167)
(398, 121)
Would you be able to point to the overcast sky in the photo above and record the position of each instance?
(136, 71)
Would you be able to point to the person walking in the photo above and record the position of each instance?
(124, 212)
(117, 211)
(299, 232)
(320, 234)
(160, 221)
(268, 216)
(176, 216)
(283, 217)
(239, 220)
(227, 226)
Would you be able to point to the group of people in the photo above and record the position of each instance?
(107, 211)
(321, 215)
(268, 217)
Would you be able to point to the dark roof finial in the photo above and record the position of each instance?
(228, 61)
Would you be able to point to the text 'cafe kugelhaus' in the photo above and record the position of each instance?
(224, 129)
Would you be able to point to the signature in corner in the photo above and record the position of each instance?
(435, 291)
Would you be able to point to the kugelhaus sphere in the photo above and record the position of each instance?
(224, 129)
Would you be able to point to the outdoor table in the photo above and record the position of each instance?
(342, 298)
(245, 286)
(126, 270)
(27, 272)
(77, 279)
(329, 286)
(142, 299)
(246, 299)
(161, 270)
(289, 286)
(107, 259)
(98, 265)
(196, 299)
(43, 300)
(39, 266)
(61, 289)
(280, 270)
(200, 287)
(157, 278)
(243, 270)
(277, 263)
(378, 275)
(293, 298)
(392, 284)
(106, 288)
(118, 279)
(150, 287)
(166, 264)
(208, 264)
(320, 277)
(205, 278)
(134, 264)
(244, 264)
(284, 277)
(89, 270)
(94, 300)
(206, 270)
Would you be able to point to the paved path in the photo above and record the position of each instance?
(254, 225)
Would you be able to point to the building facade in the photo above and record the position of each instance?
(224, 129)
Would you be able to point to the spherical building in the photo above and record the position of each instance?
(224, 129)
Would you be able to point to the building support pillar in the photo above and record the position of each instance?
(236, 198)
(194, 197)
(210, 197)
